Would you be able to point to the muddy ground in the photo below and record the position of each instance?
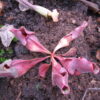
(72, 14)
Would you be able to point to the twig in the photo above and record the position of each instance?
(18, 97)
(97, 89)
(91, 5)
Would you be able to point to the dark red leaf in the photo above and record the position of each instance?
(78, 65)
(71, 52)
(18, 68)
(29, 40)
(71, 36)
(43, 69)
(60, 77)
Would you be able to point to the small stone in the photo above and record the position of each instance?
(98, 28)
(79, 87)
(98, 19)
(12, 82)
(1, 7)
(10, 18)
(93, 82)
(73, 21)
(98, 54)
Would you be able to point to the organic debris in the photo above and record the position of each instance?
(89, 89)
(92, 6)
(6, 35)
(25, 5)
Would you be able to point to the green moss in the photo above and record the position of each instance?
(15, 40)
(9, 51)
(1, 26)
(2, 59)
(2, 52)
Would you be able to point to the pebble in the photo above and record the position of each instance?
(93, 81)
(98, 19)
(98, 28)
(98, 54)
(1, 7)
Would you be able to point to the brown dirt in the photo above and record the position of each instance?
(30, 86)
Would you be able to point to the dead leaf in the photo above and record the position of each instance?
(6, 35)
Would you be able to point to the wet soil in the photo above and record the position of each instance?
(31, 86)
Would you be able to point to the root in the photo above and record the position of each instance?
(89, 89)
